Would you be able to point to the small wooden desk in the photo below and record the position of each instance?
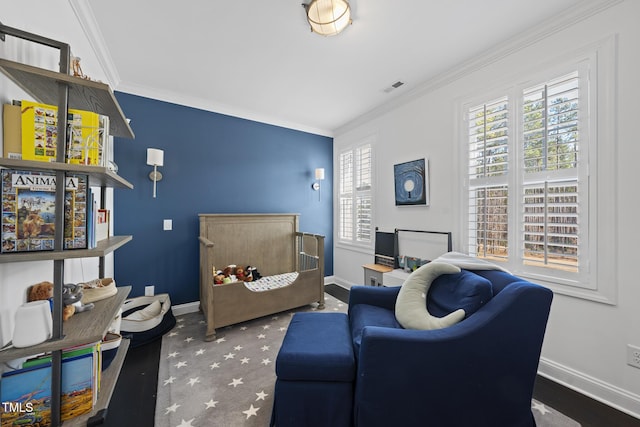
(373, 274)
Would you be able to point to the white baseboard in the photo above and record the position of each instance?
(190, 307)
(610, 395)
(340, 282)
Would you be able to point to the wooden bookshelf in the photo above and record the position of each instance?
(65, 91)
(103, 247)
(98, 176)
(81, 328)
(84, 94)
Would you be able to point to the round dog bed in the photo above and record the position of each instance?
(146, 318)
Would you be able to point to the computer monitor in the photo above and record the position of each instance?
(385, 248)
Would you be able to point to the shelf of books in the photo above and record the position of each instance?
(86, 387)
(103, 247)
(28, 211)
(98, 176)
(33, 202)
(84, 94)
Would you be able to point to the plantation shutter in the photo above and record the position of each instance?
(488, 141)
(355, 210)
(551, 198)
(363, 194)
(346, 196)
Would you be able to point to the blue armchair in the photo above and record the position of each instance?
(479, 372)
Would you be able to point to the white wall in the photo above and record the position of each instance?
(56, 20)
(585, 344)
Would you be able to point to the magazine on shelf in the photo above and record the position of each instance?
(39, 125)
(28, 211)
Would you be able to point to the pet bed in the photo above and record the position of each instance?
(146, 318)
(273, 244)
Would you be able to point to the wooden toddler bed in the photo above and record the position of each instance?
(272, 244)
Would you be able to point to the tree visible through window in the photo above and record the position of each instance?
(533, 172)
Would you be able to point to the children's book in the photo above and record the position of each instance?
(26, 393)
(28, 211)
(39, 123)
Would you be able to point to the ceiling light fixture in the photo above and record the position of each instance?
(328, 17)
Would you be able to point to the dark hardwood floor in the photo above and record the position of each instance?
(133, 402)
(583, 409)
(134, 398)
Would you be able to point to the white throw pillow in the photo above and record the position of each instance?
(411, 304)
(149, 312)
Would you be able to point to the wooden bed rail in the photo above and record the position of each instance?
(205, 241)
(309, 246)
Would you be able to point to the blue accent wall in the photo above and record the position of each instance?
(213, 163)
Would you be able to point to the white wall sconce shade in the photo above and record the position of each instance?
(319, 174)
(155, 158)
(328, 17)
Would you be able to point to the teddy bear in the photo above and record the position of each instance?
(218, 279)
(228, 270)
(71, 301)
(240, 275)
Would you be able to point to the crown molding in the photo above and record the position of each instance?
(89, 25)
(219, 108)
(562, 21)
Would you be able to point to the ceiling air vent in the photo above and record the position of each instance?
(396, 85)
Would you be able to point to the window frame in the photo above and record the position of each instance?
(596, 279)
(355, 195)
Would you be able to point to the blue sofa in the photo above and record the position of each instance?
(478, 372)
(364, 369)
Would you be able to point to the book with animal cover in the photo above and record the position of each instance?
(26, 393)
(39, 124)
(28, 211)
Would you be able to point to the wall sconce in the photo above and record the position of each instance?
(155, 158)
(319, 177)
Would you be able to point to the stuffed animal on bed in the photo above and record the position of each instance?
(240, 275)
(229, 272)
(253, 272)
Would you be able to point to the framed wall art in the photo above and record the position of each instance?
(412, 183)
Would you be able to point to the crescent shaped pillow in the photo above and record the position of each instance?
(411, 305)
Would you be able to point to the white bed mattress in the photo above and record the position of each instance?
(272, 282)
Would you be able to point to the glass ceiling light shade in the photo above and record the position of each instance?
(328, 17)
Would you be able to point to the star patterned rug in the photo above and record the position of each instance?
(229, 382)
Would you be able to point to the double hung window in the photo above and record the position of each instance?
(535, 156)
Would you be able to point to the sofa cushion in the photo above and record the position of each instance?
(465, 290)
(411, 306)
(362, 315)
